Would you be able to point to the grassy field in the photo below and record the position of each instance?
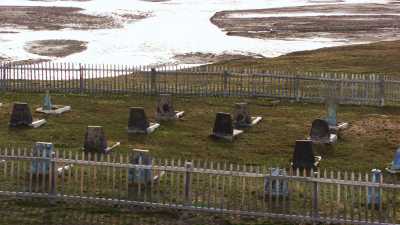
(370, 141)
(381, 57)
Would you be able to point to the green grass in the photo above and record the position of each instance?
(381, 57)
(370, 141)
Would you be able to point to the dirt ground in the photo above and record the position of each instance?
(57, 18)
(56, 48)
(204, 58)
(360, 22)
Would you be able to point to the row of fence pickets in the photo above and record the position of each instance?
(247, 181)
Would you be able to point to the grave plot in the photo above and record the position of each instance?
(242, 118)
(223, 127)
(49, 108)
(138, 123)
(96, 141)
(21, 116)
(165, 109)
(303, 156)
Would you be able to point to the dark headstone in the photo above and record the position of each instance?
(21, 115)
(138, 175)
(137, 119)
(165, 108)
(223, 124)
(320, 130)
(241, 116)
(303, 155)
(95, 139)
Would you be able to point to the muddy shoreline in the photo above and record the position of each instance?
(353, 22)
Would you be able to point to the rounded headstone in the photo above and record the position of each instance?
(241, 116)
(319, 129)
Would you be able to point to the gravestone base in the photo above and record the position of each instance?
(331, 140)
(56, 110)
(38, 123)
(392, 171)
(228, 137)
(109, 149)
(254, 120)
(149, 130)
(178, 115)
(339, 127)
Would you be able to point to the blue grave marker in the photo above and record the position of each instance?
(331, 110)
(374, 195)
(396, 160)
(277, 187)
(47, 105)
(42, 150)
(139, 175)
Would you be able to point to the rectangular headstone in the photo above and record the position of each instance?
(165, 108)
(241, 116)
(223, 124)
(138, 175)
(137, 120)
(95, 139)
(43, 150)
(276, 187)
(21, 115)
(303, 155)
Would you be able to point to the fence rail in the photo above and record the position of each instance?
(363, 89)
(312, 196)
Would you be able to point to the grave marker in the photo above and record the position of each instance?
(43, 150)
(303, 155)
(95, 140)
(49, 108)
(165, 109)
(138, 123)
(395, 165)
(139, 175)
(242, 116)
(223, 127)
(331, 108)
(374, 194)
(21, 116)
(276, 187)
(320, 133)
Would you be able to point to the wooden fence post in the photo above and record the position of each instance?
(153, 80)
(315, 193)
(297, 88)
(81, 80)
(226, 78)
(52, 174)
(3, 76)
(381, 91)
(188, 174)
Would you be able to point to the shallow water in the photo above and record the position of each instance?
(176, 27)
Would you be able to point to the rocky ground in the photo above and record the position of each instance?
(55, 48)
(355, 22)
(205, 58)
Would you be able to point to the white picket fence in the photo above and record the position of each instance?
(364, 89)
(202, 186)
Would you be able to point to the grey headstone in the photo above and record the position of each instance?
(43, 150)
(241, 116)
(223, 124)
(165, 108)
(320, 130)
(303, 155)
(137, 119)
(47, 105)
(21, 115)
(374, 194)
(95, 139)
(137, 175)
